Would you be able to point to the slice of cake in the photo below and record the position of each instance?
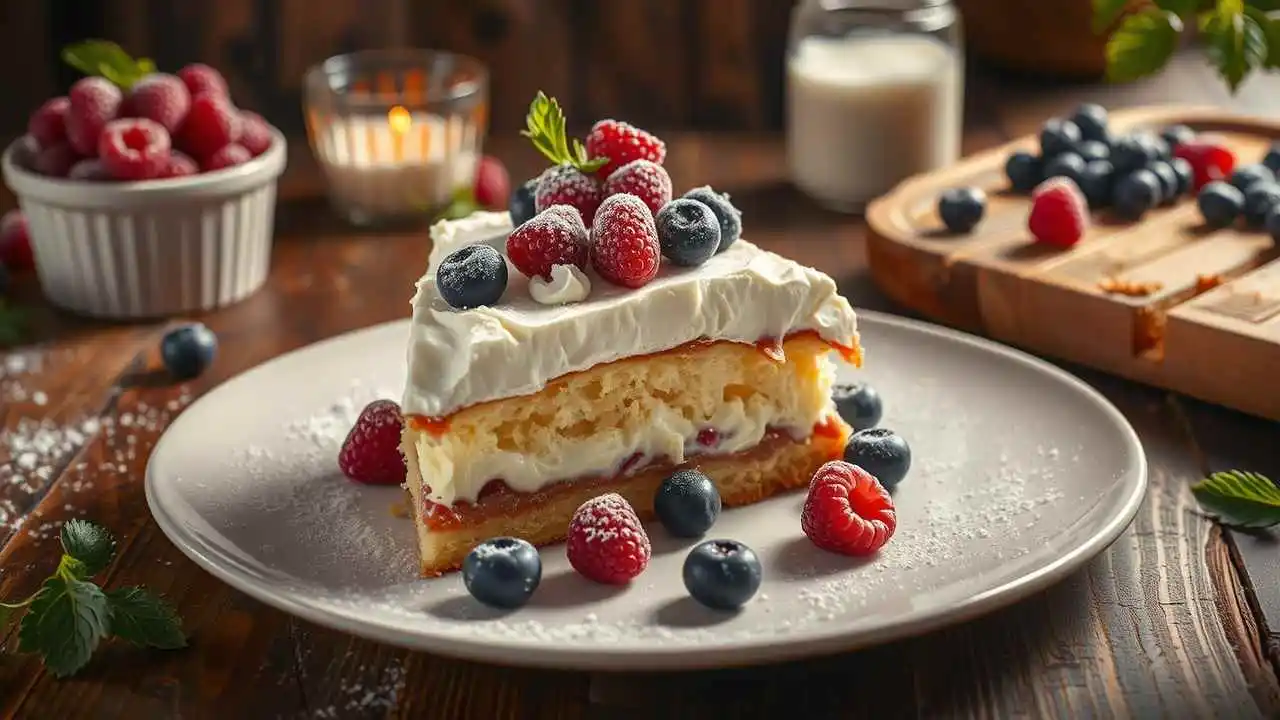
(609, 370)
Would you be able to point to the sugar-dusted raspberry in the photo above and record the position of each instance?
(212, 123)
(229, 156)
(134, 148)
(255, 133)
(159, 97)
(48, 124)
(1059, 213)
(645, 179)
(555, 236)
(179, 165)
(92, 103)
(847, 510)
(89, 170)
(566, 185)
(371, 453)
(201, 79)
(622, 143)
(607, 543)
(55, 160)
(624, 241)
(493, 184)
(15, 241)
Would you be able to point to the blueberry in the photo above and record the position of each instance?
(1272, 223)
(502, 572)
(1096, 181)
(1168, 181)
(1246, 175)
(1259, 200)
(188, 351)
(881, 452)
(1058, 136)
(1157, 146)
(729, 216)
(1272, 159)
(1091, 150)
(472, 276)
(687, 503)
(688, 232)
(1091, 118)
(1176, 135)
(962, 208)
(1067, 164)
(1025, 171)
(1135, 193)
(522, 206)
(858, 404)
(1220, 204)
(1132, 152)
(722, 574)
(1185, 174)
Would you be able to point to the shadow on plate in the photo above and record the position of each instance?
(799, 559)
(688, 613)
(569, 589)
(464, 608)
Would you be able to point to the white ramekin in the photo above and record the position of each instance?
(155, 248)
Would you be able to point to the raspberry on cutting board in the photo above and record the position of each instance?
(624, 242)
(606, 541)
(622, 143)
(1059, 213)
(847, 511)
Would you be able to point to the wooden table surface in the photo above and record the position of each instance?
(1177, 619)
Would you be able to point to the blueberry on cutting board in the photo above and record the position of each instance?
(962, 208)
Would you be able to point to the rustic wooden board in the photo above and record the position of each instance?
(1207, 323)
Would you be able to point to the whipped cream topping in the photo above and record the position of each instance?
(567, 285)
(460, 358)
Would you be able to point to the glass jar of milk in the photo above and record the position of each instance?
(875, 94)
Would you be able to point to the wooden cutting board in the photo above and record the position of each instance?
(1164, 301)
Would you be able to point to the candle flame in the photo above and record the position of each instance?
(399, 120)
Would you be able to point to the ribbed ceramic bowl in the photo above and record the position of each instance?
(154, 248)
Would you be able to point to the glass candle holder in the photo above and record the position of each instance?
(397, 133)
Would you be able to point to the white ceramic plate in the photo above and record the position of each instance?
(1021, 474)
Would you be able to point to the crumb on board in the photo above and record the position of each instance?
(1116, 286)
(1205, 283)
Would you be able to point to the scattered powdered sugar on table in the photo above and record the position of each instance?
(360, 696)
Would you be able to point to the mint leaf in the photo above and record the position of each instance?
(1240, 499)
(1142, 45)
(1269, 21)
(144, 619)
(64, 624)
(107, 59)
(89, 543)
(1179, 7)
(545, 127)
(1105, 13)
(1235, 43)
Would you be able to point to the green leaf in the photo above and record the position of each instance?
(144, 619)
(1105, 14)
(1269, 21)
(107, 59)
(1235, 43)
(1179, 7)
(89, 543)
(1142, 45)
(13, 325)
(64, 624)
(545, 127)
(1263, 5)
(1240, 499)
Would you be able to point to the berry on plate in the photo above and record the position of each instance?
(1259, 201)
(472, 276)
(188, 351)
(858, 404)
(1067, 164)
(1091, 120)
(567, 185)
(722, 574)
(624, 242)
(555, 236)
(1210, 159)
(226, 157)
(160, 98)
(1220, 204)
(493, 184)
(847, 511)
(201, 79)
(15, 241)
(622, 143)
(370, 453)
(1168, 181)
(687, 503)
(55, 160)
(1024, 170)
(881, 452)
(1096, 180)
(502, 572)
(522, 206)
(1059, 213)
(1135, 193)
(255, 133)
(1245, 176)
(962, 208)
(92, 103)
(606, 541)
(645, 179)
(212, 123)
(134, 149)
(1058, 136)
(48, 124)
(729, 216)
(688, 232)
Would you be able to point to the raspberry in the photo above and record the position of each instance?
(555, 236)
(1059, 213)
(645, 179)
(255, 133)
(89, 170)
(93, 102)
(201, 79)
(847, 511)
(229, 156)
(624, 242)
(15, 241)
(211, 124)
(1209, 157)
(493, 184)
(134, 149)
(371, 452)
(566, 185)
(48, 124)
(607, 543)
(55, 160)
(179, 165)
(622, 143)
(159, 97)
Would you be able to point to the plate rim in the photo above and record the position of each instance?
(680, 656)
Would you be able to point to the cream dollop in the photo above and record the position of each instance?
(567, 285)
